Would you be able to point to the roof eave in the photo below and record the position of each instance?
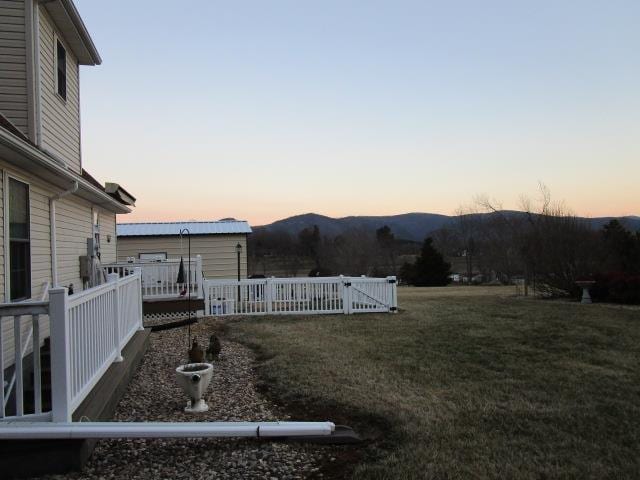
(67, 18)
(15, 150)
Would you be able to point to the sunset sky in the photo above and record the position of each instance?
(264, 109)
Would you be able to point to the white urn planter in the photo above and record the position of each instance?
(194, 378)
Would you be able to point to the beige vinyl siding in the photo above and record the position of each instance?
(13, 64)
(2, 173)
(73, 227)
(60, 119)
(108, 230)
(40, 253)
(219, 258)
(39, 219)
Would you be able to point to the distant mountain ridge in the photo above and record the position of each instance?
(406, 226)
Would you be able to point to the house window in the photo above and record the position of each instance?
(19, 241)
(96, 231)
(61, 70)
(155, 256)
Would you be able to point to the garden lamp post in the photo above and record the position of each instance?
(238, 252)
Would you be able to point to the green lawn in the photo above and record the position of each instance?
(466, 383)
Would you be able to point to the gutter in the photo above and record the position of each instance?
(52, 230)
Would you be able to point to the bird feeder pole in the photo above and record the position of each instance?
(183, 231)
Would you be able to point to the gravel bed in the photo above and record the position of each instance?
(153, 395)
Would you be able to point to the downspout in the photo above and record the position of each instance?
(36, 74)
(52, 227)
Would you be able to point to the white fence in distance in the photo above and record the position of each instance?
(88, 331)
(313, 295)
(159, 277)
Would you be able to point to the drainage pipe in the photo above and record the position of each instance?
(52, 234)
(83, 430)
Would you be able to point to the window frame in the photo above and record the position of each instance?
(56, 81)
(158, 254)
(6, 177)
(95, 230)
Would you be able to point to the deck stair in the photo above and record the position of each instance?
(45, 378)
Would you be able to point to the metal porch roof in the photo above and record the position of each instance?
(220, 227)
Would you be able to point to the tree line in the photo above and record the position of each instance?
(544, 246)
(547, 246)
(356, 252)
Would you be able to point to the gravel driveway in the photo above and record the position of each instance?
(153, 395)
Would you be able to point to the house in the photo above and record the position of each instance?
(50, 205)
(218, 244)
(58, 224)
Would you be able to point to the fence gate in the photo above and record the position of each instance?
(276, 296)
(368, 295)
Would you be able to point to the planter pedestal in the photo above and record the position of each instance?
(585, 285)
(194, 378)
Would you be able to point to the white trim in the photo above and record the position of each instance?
(31, 74)
(5, 240)
(37, 76)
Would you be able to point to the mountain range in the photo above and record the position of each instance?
(406, 226)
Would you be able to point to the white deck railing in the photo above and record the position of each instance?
(159, 277)
(88, 331)
(300, 295)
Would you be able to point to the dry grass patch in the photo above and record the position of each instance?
(468, 382)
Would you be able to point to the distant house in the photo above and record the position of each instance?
(216, 242)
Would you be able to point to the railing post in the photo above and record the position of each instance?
(268, 295)
(60, 355)
(138, 271)
(113, 279)
(207, 298)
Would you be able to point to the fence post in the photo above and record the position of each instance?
(393, 282)
(138, 271)
(268, 295)
(199, 281)
(346, 294)
(199, 275)
(113, 279)
(60, 355)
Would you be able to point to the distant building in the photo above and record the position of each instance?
(216, 242)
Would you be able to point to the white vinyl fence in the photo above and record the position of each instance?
(314, 295)
(159, 278)
(88, 331)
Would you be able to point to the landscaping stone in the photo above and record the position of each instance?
(154, 395)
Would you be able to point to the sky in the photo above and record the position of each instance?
(260, 110)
